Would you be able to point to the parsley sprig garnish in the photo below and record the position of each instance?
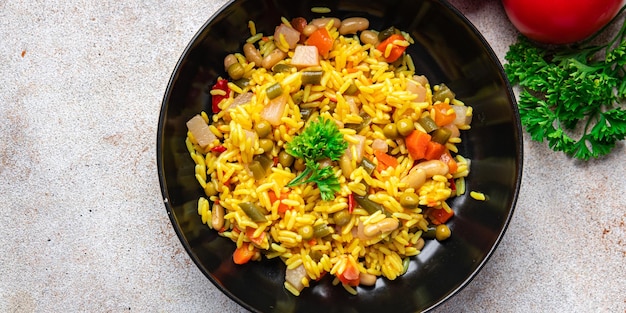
(566, 91)
(320, 140)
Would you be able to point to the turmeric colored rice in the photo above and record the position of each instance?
(382, 109)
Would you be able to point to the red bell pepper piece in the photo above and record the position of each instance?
(222, 84)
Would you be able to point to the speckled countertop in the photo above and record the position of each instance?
(83, 227)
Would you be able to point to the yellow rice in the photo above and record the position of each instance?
(383, 96)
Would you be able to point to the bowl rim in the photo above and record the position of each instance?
(451, 293)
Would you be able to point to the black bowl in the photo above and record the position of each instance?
(447, 49)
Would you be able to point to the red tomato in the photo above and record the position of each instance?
(560, 21)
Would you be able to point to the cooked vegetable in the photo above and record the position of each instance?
(444, 114)
(200, 131)
(243, 254)
(427, 123)
(392, 48)
(288, 34)
(560, 21)
(236, 71)
(222, 84)
(417, 143)
(263, 129)
(305, 56)
(322, 40)
(311, 77)
(405, 126)
(320, 140)
(563, 89)
(443, 92)
(274, 110)
(253, 211)
(442, 232)
(384, 160)
(274, 90)
(368, 205)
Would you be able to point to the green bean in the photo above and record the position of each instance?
(321, 230)
(351, 90)
(274, 91)
(282, 68)
(441, 135)
(312, 77)
(257, 170)
(265, 162)
(253, 211)
(368, 205)
(242, 82)
(368, 166)
(367, 120)
(297, 97)
(405, 264)
(342, 217)
(428, 124)
(442, 93)
(316, 255)
(285, 159)
(305, 113)
(236, 71)
(430, 233)
(384, 34)
(391, 131)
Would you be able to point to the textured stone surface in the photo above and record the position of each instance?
(83, 227)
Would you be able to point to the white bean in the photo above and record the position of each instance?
(419, 173)
(352, 25)
(229, 60)
(309, 29)
(367, 279)
(322, 21)
(369, 37)
(272, 58)
(217, 217)
(252, 54)
(386, 225)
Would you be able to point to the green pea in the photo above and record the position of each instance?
(405, 126)
(285, 159)
(390, 131)
(342, 217)
(442, 232)
(263, 128)
(236, 71)
(266, 144)
(409, 200)
(299, 164)
(306, 232)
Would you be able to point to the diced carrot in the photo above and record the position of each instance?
(440, 215)
(282, 208)
(416, 143)
(444, 114)
(434, 151)
(256, 240)
(396, 50)
(243, 254)
(322, 39)
(449, 160)
(385, 160)
(350, 276)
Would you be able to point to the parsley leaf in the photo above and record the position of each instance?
(320, 140)
(572, 97)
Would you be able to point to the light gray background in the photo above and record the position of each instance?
(82, 224)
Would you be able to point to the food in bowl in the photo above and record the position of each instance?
(326, 150)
